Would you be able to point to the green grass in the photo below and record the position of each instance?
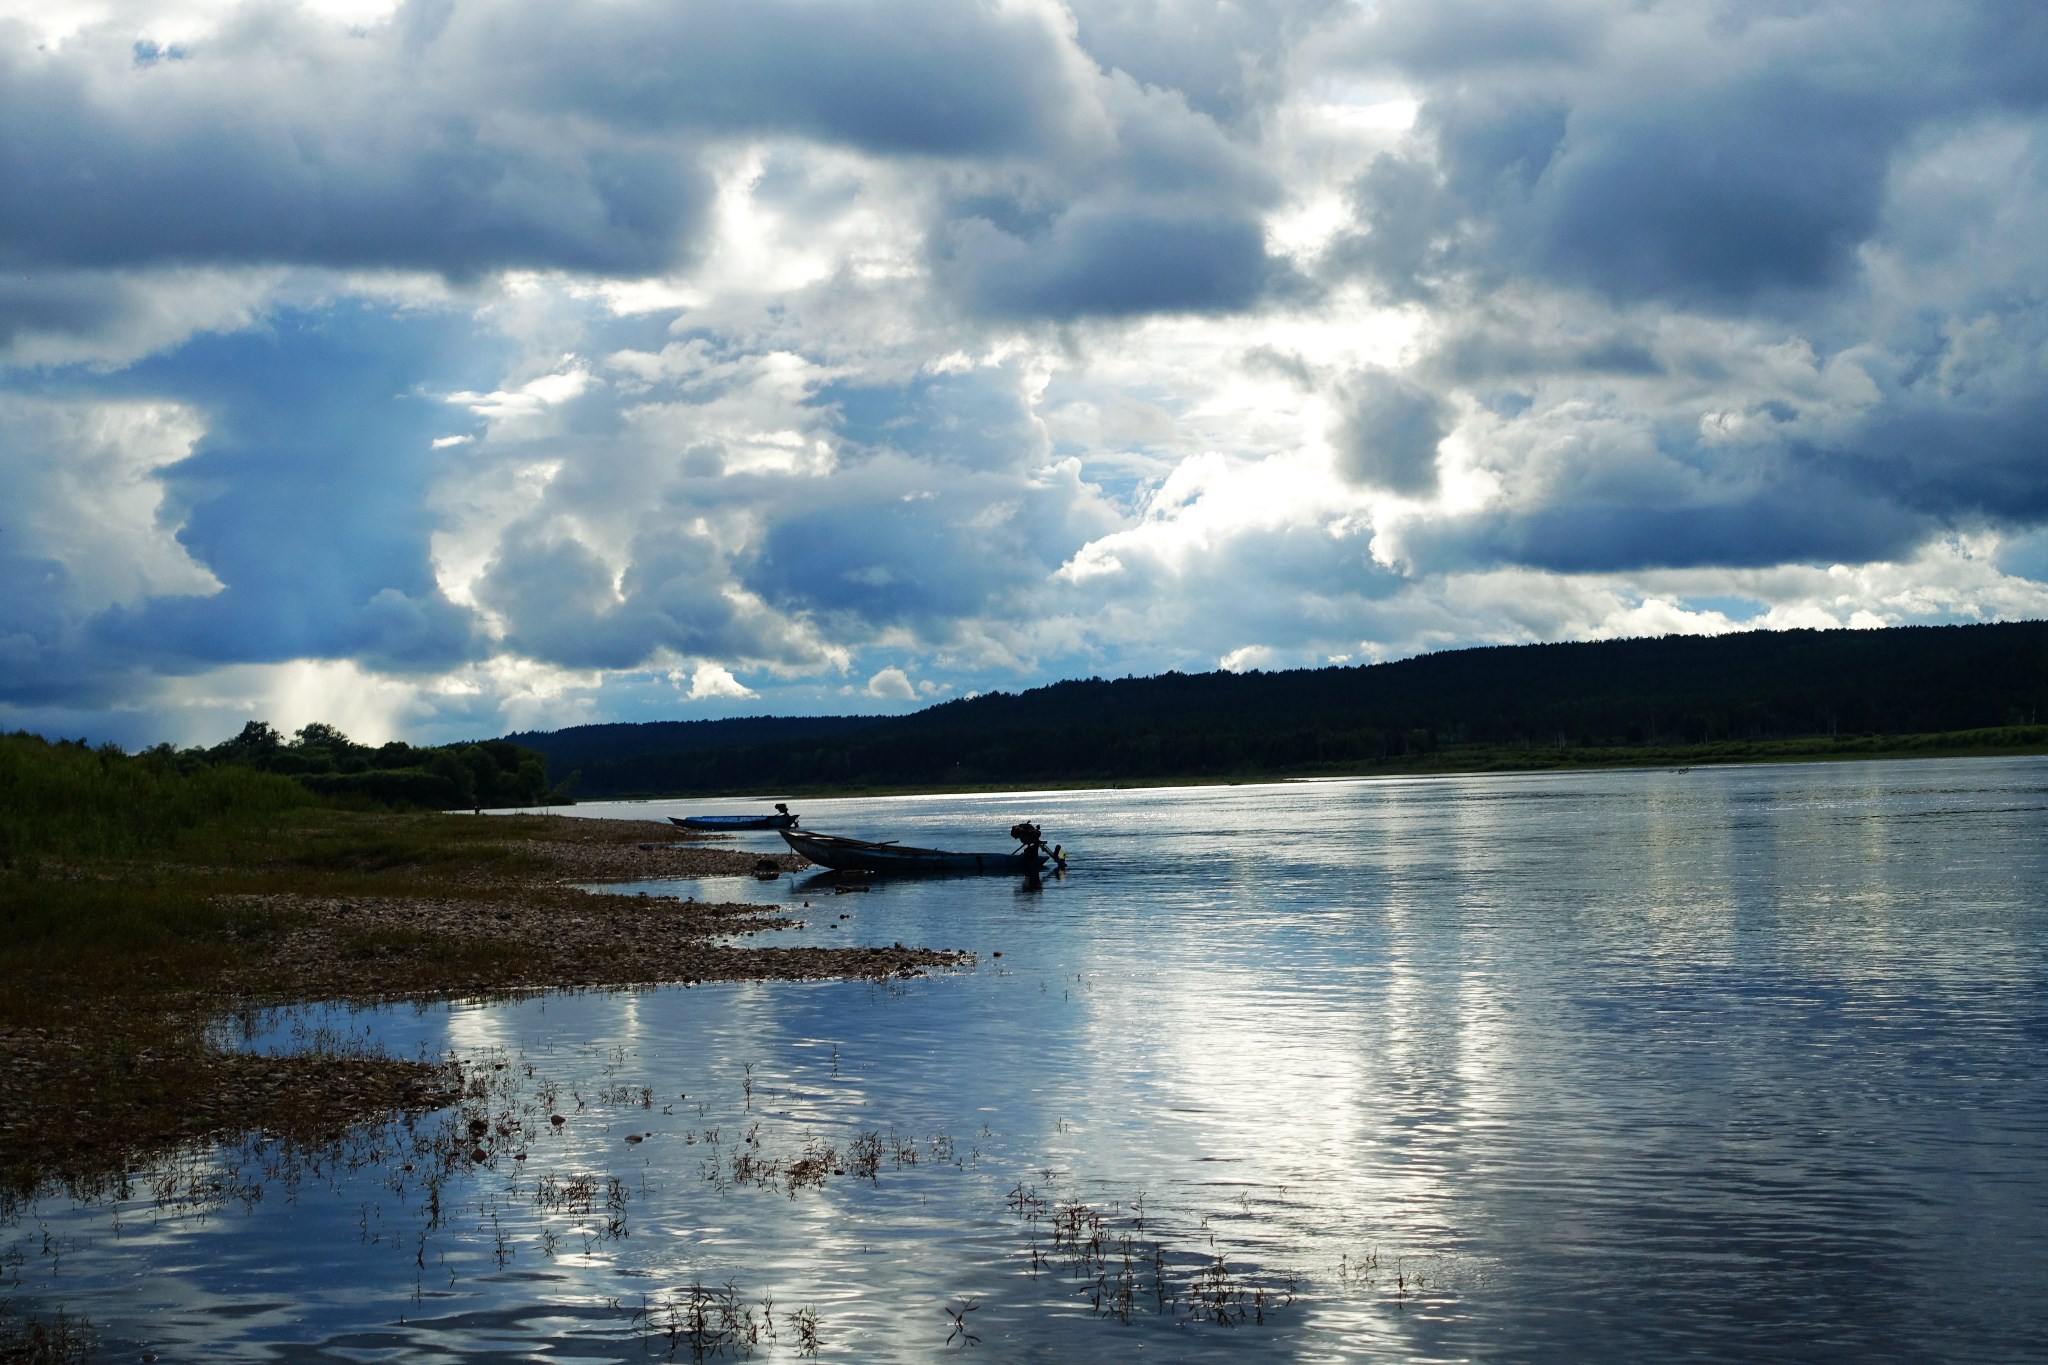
(376, 845)
(118, 873)
(65, 943)
(65, 801)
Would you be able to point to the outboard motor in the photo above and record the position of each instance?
(1033, 839)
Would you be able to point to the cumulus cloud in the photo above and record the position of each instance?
(89, 525)
(710, 680)
(891, 684)
(1389, 433)
(527, 363)
(1107, 259)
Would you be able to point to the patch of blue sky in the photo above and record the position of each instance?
(1737, 609)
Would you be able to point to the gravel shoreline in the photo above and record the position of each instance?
(83, 1102)
(596, 850)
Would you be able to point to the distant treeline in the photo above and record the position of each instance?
(618, 748)
(494, 772)
(1520, 704)
(318, 759)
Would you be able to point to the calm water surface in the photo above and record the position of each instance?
(1732, 1064)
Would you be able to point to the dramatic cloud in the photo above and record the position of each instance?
(1390, 433)
(455, 365)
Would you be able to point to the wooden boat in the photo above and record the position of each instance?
(842, 854)
(781, 819)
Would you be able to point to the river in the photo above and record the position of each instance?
(1727, 1064)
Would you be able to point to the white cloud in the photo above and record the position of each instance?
(710, 680)
(80, 482)
(516, 411)
(891, 684)
(1246, 658)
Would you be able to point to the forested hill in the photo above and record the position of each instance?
(639, 758)
(1649, 695)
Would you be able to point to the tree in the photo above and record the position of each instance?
(319, 736)
(452, 770)
(255, 747)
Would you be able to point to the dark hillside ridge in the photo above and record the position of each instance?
(620, 751)
(1678, 690)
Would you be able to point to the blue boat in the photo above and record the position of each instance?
(782, 819)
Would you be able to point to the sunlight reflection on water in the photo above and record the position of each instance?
(1731, 1064)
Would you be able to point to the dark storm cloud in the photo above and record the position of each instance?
(1492, 350)
(63, 306)
(1644, 217)
(563, 604)
(224, 158)
(1718, 162)
(1164, 217)
(920, 561)
(1389, 433)
(1720, 198)
(941, 514)
(35, 629)
(467, 138)
(1804, 519)
(1108, 261)
(1766, 184)
(1954, 463)
(925, 77)
(1226, 60)
(900, 546)
(1453, 38)
(939, 508)
(557, 596)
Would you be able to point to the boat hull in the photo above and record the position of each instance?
(734, 821)
(858, 855)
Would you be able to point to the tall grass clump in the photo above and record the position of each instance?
(65, 800)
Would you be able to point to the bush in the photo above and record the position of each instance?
(66, 800)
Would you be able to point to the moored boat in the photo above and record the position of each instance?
(843, 854)
(781, 819)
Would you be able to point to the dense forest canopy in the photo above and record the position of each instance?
(586, 746)
(1649, 694)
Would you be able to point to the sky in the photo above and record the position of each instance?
(452, 367)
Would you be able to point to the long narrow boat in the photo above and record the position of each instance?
(781, 819)
(842, 854)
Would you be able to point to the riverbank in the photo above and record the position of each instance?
(114, 972)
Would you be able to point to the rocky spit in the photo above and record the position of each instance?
(588, 850)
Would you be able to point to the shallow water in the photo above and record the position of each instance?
(1731, 1064)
